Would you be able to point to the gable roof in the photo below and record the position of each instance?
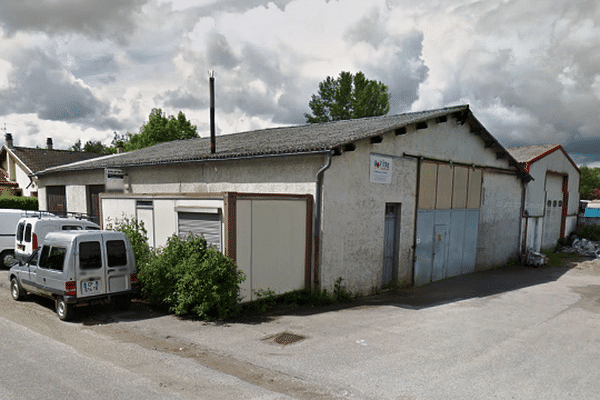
(40, 159)
(290, 140)
(526, 155)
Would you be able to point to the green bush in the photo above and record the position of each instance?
(591, 232)
(19, 203)
(192, 278)
(138, 237)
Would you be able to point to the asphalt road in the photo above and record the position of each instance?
(511, 333)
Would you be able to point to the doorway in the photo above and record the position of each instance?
(391, 239)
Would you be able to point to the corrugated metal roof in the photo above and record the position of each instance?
(282, 141)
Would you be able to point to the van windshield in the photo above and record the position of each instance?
(89, 255)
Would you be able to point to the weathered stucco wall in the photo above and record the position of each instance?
(555, 162)
(499, 220)
(353, 217)
(354, 207)
(295, 175)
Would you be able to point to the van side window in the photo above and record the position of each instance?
(43, 263)
(71, 228)
(20, 230)
(56, 260)
(91, 228)
(28, 233)
(117, 256)
(89, 255)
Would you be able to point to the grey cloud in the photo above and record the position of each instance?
(90, 17)
(182, 98)
(403, 73)
(219, 52)
(44, 88)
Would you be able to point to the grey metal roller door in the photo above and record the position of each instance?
(201, 224)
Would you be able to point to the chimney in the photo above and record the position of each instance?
(49, 143)
(9, 140)
(211, 80)
(119, 147)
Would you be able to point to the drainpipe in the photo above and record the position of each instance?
(317, 228)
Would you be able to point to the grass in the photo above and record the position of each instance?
(558, 259)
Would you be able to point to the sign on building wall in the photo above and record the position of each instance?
(114, 180)
(381, 169)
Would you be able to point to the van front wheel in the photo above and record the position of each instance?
(15, 290)
(64, 310)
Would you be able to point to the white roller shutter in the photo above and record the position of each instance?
(205, 225)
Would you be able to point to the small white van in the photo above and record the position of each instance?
(78, 268)
(9, 218)
(31, 231)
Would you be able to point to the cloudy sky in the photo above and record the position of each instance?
(84, 69)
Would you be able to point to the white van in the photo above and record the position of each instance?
(78, 268)
(31, 231)
(9, 218)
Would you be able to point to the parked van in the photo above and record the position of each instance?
(9, 219)
(78, 268)
(31, 231)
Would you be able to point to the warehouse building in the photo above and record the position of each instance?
(410, 198)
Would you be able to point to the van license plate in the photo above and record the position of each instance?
(91, 286)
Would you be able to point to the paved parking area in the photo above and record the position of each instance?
(510, 333)
(507, 333)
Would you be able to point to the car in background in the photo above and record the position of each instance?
(32, 229)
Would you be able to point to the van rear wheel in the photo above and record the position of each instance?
(7, 258)
(64, 310)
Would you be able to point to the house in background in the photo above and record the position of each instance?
(410, 198)
(551, 200)
(19, 163)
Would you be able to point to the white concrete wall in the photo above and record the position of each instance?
(164, 215)
(499, 220)
(353, 213)
(291, 175)
(555, 162)
(536, 198)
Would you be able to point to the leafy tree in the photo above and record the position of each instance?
(161, 128)
(76, 146)
(348, 97)
(90, 146)
(590, 183)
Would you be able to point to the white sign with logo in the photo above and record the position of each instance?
(381, 169)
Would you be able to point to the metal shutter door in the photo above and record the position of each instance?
(206, 225)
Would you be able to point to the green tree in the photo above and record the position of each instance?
(590, 183)
(160, 128)
(348, 97)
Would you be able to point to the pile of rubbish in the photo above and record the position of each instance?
(584, 248)
(535, 259)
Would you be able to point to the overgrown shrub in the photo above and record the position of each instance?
(591, 232)
(192, 278)
(19, 203)
(138, 237)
